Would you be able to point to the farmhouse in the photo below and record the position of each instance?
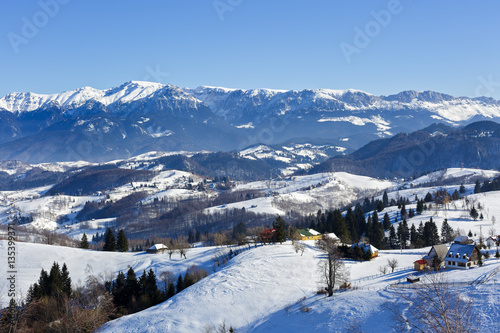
(461, 256)
(493, 241)
(436, 256)
(157, 248)
(308, 234)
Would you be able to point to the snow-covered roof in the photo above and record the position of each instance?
(461, 239)
(365, 247)
(158, 247)
(460, 250)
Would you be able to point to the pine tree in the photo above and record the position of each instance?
(281, 229)
(405, 234)
(66, 280)
(387, 221)
(431, 236)
(84, 244)
(171, 290)
(377, 238)
(380, 206)
(473, 213)
(352, 225)
(132, 288)
(109, 241)
(180, 284)
(118, 290)
(446, 232)
(151, 288)
(385, 199)
(122, 242)
(477, 187)
(413, 235)
(55, 281)
(462, 189)
(479, 257)
(404, 214)
(393, 238)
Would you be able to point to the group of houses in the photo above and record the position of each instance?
(311, 234)
(462, 254)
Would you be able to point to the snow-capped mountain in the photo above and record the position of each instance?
(137, 117)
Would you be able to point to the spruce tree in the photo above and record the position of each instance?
(122, 242)
(84, 243)
(118, 290)
(152, 288)
(387, 221)
(66, 280)
(132, 288)
(171, 290)
(393, 238)
(413, 235)
(446, 232)
(473, 213)
(281, 229)
(109, 241)
(55, 283)
(477, 187)
(385, 199)
(180, 284)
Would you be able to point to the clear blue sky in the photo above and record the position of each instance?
(447, 46)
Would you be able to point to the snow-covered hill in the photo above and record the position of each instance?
(269, 288)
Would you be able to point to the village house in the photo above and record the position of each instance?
(436, 256)
(493, 241)
(308, 234)
(157, 248)
(461, 256)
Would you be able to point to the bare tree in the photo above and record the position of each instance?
(382, 269)
(299, 247)
(434, 307)
(392, 263)
(220, 239)
(332, 269)
(182, 251)
(167, 277)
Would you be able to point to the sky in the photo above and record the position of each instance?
(381, 47)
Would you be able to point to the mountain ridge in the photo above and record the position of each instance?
(137, 117)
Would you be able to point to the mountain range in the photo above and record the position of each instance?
(436, 147)
(138, 117)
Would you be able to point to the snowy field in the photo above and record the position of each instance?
(264, 289)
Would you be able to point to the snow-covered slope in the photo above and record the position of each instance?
(272, 289)
(462, 174)
(31, 258)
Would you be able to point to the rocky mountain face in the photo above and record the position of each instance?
(138, 117)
